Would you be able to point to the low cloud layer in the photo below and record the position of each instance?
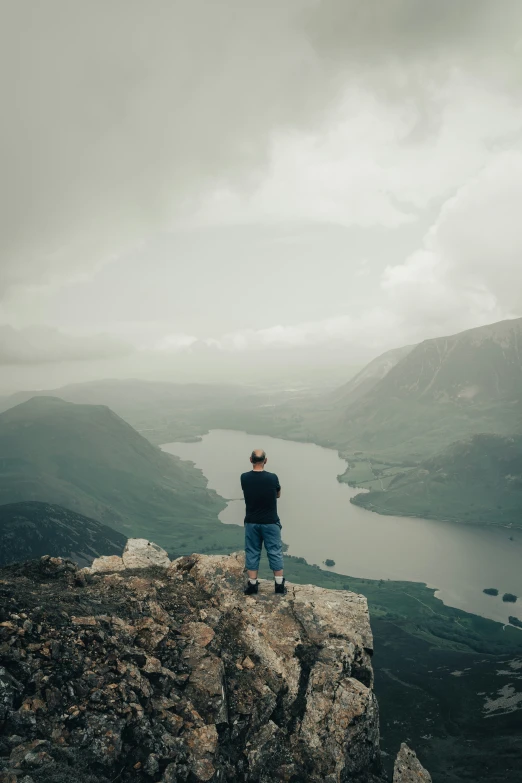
(34, 346)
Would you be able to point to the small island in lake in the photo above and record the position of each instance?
(490, 591)
(509, 598)
(516, 622)
(329, 562)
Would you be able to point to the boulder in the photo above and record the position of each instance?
(107, 564)
(408, 768)
(140, 553)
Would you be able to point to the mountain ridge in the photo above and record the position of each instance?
(87, 459)
(442, 390)
(31, 529)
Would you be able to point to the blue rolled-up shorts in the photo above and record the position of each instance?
(270, 535)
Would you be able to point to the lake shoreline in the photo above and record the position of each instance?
(451, 559)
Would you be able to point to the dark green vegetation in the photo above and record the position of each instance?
(490, 591)
(477, 481)
(32, 529)
(509, 598)
(87, 459)
(515, 621)
(329, 562)
(441, 676)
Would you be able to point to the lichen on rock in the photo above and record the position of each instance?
(170, 674)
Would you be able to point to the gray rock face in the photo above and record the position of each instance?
(140, 553)
(308, 657)
(408, 768)
(181, 678)
(106, 564)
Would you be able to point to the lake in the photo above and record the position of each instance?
(319, 522)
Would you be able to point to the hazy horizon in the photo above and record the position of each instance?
(219, 191)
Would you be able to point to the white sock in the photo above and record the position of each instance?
(253, 581)
(279, 580)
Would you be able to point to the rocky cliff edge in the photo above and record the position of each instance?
(139, 669)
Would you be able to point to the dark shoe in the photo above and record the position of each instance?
(281, 589)
(251, 589)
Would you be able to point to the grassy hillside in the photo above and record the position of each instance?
(368, 377)
(87, 459)
(30, 530)
(443, 390)
(478, 480)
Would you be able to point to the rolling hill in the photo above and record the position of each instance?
(30, 530)
(87, 459)
(478, 480)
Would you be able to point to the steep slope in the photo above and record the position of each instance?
(169, 675)
(477, 481)
(89, 460)
(32, 529)
(444, 389)
(368, 377)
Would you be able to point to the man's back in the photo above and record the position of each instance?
(260, 489)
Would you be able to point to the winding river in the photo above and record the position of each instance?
(319, 522)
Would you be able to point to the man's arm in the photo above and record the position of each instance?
(278, 488)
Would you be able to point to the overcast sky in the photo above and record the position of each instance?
(194, 182)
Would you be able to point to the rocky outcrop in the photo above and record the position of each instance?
(170, 674)
(138, 553)
(408, 768)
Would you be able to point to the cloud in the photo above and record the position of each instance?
(468, 272)
(358, 169)
(121, 115)
(370, 327)
(469, 269)
(41, 345)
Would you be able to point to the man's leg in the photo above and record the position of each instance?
(253, 544)
(274, 550)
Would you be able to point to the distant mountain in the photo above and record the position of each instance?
(87, 459)
(164, 412)
(478, 480)
(368, 377)
(30, 530)
(442, 390)
(480, 365)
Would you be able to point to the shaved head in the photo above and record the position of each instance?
(258, 455)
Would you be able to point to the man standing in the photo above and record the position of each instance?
(262, 526)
